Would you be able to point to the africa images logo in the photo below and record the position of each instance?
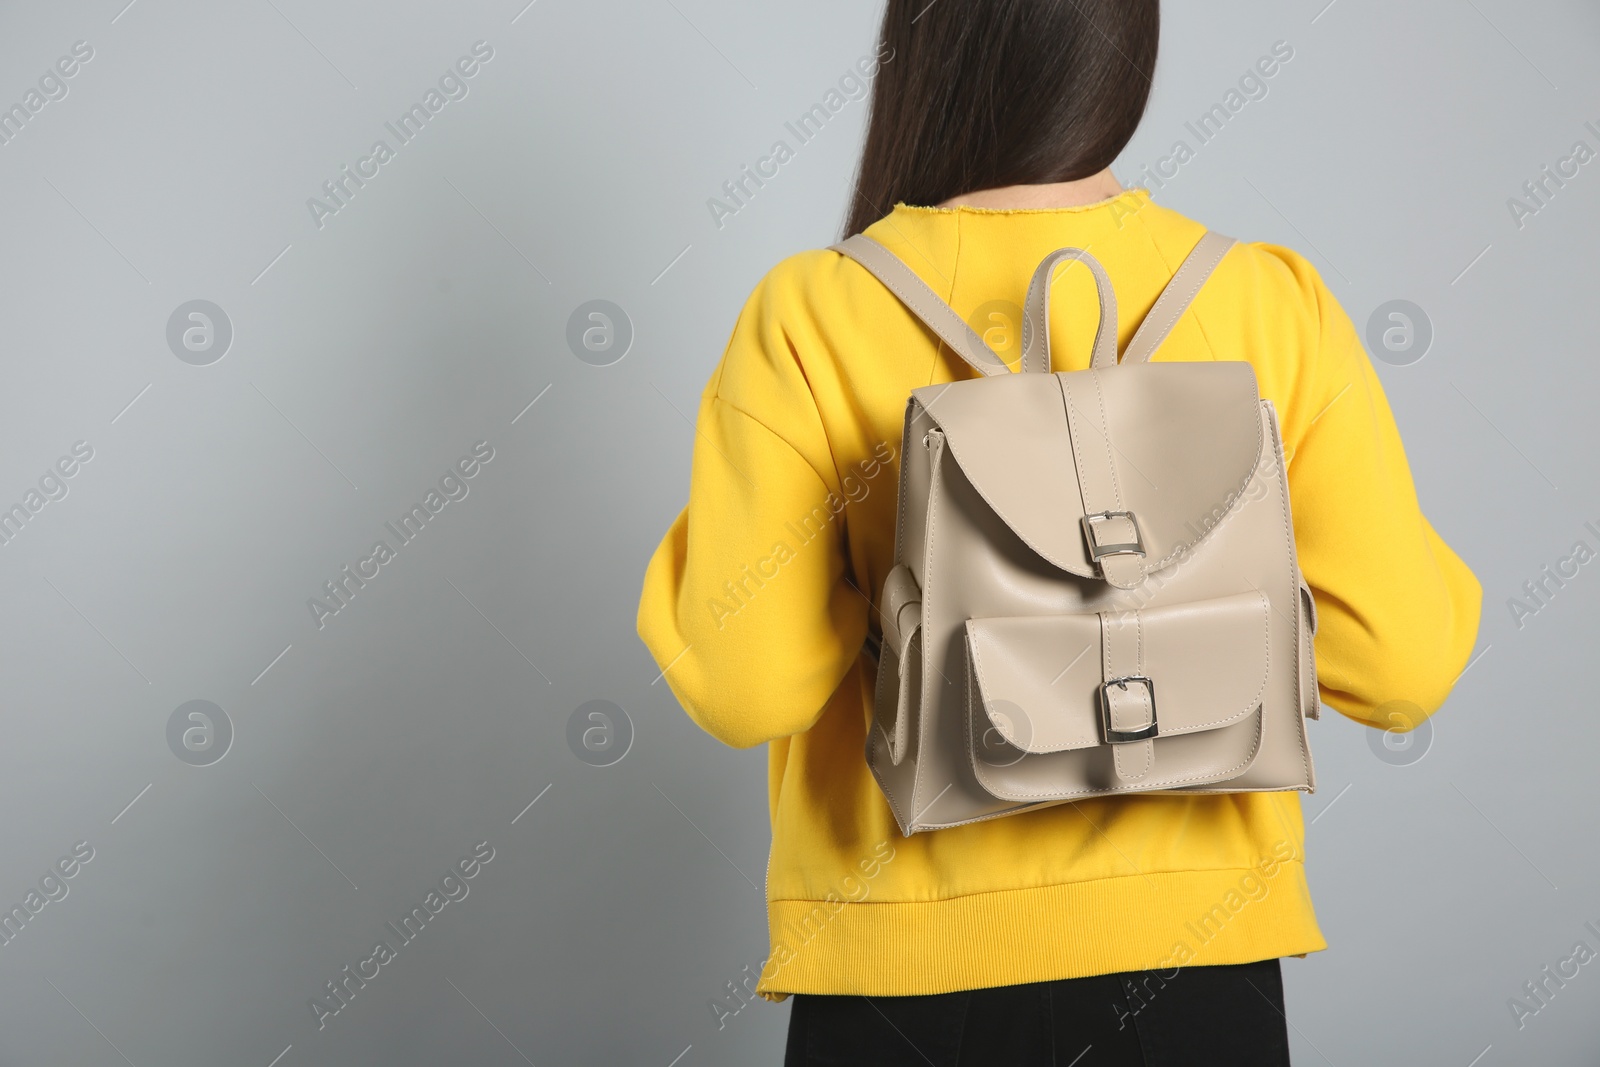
(341, 590)
(339, 190)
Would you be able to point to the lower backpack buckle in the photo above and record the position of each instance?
(1120, 737)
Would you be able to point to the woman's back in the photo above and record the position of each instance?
(758, 602)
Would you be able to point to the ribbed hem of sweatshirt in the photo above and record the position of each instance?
(1133, 923)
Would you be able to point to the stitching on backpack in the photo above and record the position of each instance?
(976, 673)
(1109, 320)
(1030, 328)
(1117, 750)
(1238, 499)
(1184, 305)
(879, 697)
(1139, 668)
(929, 648)
(904, 707)
(915, 299)
(977, 669)
(1048, 557)
(1089, 572)
(1188, 298)
(1077, 449)
(1271, 416)
(905, 446)
(1160, 783)
(894, 806)
(1138, 625)
(1075, 743)
(1105, 434)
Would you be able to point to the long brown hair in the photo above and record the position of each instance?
(977, 94)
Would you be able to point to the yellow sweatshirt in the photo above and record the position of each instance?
(757, 601)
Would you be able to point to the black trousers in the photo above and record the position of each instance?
(1231, 1016)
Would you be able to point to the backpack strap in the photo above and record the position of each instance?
(924, 303)
(1177, 296)
(950, 328)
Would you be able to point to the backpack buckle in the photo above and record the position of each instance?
(1121, 737)
(1098, 550)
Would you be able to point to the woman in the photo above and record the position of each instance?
(1125, 930)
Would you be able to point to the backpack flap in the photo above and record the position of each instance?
(1153, 454)
(1130, 692)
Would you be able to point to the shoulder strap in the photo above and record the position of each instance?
(1177, 296)
(924, 303)
(1169, 307)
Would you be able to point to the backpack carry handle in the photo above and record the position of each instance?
(1158, 323)
(1036, 313)
(965, 342)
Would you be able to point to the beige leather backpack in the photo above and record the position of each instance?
(1095, 589)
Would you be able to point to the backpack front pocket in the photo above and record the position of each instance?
(1156, 698)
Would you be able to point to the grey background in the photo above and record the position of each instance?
(371, 353)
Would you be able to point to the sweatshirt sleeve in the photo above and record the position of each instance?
(1398, 610)
(747, 605)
